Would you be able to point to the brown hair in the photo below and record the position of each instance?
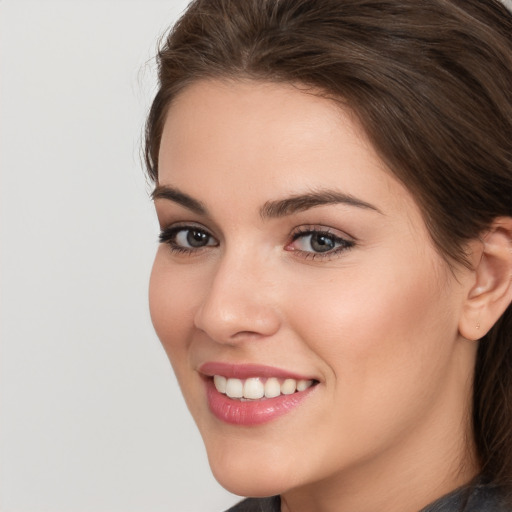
(430, 82)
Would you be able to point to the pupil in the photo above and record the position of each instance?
(197, 238)
(322, 243)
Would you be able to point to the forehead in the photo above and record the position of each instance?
(274, 139)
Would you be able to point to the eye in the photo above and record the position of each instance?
(318, 243)
(192, 238)
(187, 238)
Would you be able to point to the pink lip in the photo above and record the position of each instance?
(253, 412)
(246, 371)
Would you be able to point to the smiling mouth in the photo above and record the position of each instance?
(248, 395)
(259, 388)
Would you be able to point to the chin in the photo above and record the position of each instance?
(249, 474)
(249, 484)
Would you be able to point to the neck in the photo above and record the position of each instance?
(427, 462)
(375, 490)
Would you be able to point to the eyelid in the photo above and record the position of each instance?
(168, 234)
(320, 228)
(345, 240)
(187, 224)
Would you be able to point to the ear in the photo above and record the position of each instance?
(491, 288)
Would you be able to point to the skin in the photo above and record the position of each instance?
(376, 324)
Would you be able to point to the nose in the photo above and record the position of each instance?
(240, 303)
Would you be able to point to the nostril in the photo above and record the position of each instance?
(230, 320)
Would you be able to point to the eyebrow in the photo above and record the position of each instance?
(271, 209)
(175, 195)
(302, 202)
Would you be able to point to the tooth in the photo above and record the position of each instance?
(253, 388)
(272, 388)
(303, 384)
(288, 386)
(234, 388)
(220, 383)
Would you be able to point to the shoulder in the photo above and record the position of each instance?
(473, 498)
(272, 504)
(485, 498)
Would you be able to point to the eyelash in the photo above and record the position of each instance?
(303, 232)
(168, 236)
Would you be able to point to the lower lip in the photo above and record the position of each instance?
(253, 412)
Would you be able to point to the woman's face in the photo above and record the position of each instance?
(294, 264)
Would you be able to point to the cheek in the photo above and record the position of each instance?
(172, 300)
(362, 307)
(385, 337)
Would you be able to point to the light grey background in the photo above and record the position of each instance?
(91, 416)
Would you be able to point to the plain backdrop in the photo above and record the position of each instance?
(92, 419)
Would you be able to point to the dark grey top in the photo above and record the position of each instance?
(474, 498)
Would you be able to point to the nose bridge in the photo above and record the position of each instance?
(239, 302)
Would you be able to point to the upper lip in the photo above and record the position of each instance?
(246, 371)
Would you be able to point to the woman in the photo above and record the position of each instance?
(333, 181)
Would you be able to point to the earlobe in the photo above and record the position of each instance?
(491, 291)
